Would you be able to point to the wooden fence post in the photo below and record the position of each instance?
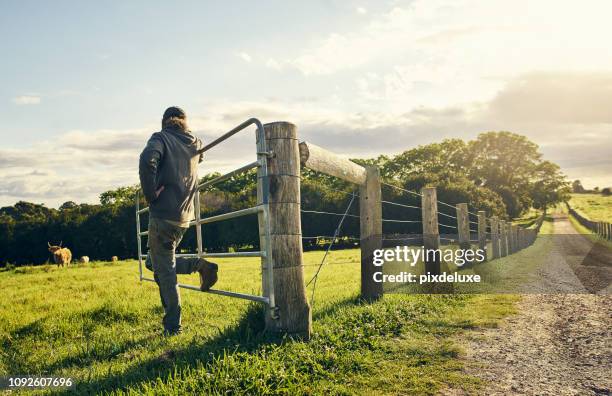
(610, 231)
(463, 226)
(495, 237)
(482, 232)
(503, 245)
(509, 236)
(294, 316)
(370, 208)
(599, 228)
(431, 235)
(514, 233)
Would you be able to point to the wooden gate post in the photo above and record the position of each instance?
(495, 237)
(370, 213)
(431, 235)
(463, 226)
(294, 316)
(503, 239)
(482, 232)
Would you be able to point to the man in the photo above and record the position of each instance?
(168, 177)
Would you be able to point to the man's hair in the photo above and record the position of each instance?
(175, 122)
(174, 117)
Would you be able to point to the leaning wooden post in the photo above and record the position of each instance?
(431, 235)
(495, 237)
(294, 316)
(463, 226)
(482, 232)
(503, 239)
(370, 225)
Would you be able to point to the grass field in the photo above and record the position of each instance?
(97, 324)
(595, 207)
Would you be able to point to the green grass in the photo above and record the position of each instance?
(528, 219)
(595, 207)
(588, 233)
(97, 324)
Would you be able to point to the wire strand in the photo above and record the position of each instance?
(402, 189)
(402, 205)
(336, 233)
(447, 215)
(330, 237)
(329, 213)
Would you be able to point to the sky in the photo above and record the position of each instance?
(84, 84)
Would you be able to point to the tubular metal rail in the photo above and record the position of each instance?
(262, 210)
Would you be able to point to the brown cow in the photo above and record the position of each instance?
(61, 255)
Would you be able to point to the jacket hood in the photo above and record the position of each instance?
(183, 136)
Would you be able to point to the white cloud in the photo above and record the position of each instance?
(361, 10)
(475, 38)
(27, 100)
(273, 64)
(245, 57)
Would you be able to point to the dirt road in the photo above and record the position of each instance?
(560, 342)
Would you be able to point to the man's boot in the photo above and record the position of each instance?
(208, 274)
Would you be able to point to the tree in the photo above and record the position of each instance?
(577, 187)
(447, 159)
(119, 196)
(68, 205)
(606, 192)
(504, 162)
(550, 186)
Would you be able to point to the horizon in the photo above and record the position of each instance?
(86, 84)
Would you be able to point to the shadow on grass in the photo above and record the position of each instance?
(246, 336)
(331, 309)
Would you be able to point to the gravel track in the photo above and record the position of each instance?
(560, 341)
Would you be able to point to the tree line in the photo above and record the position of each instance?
(500, 172)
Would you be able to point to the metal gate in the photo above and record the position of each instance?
(261, 210)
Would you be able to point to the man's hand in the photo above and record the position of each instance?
(158, 191)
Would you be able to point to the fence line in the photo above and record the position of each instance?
(601, 228)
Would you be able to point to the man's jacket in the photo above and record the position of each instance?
(170, 159)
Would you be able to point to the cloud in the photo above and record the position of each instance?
(273, 64)
(467, 36)
(361, 10)
(556, 97)
(245, 57)
(562, 112)
(27, 100)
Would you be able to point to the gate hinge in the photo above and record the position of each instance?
(274, 313)
(269, 154)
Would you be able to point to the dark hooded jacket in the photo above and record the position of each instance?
(170, 159)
